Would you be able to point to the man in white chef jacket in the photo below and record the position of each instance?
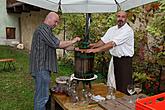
(119, 40)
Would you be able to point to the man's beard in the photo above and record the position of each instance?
(120, 23)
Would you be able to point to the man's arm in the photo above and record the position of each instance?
(105, 47)
(70, 48)
(65, 44)
(96, 45)
(52, 41)
(49, 38)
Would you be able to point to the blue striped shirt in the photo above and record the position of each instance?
(43, 50)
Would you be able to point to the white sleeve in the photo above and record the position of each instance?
(106, 37)
(122, 37)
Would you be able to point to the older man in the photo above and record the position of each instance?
(119, 40)
(43, 58)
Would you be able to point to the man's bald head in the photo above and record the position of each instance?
(121, 18)
(52, 19)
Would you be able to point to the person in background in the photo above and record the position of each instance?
(43, 57)
(119, 40)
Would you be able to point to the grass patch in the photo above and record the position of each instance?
(17, 87)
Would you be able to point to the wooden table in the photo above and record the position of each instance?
(120, 103)
(62, 102)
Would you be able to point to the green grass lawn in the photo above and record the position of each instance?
(17, 87)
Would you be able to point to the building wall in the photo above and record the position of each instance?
(29, 21)
(25, 24)
(8, 20)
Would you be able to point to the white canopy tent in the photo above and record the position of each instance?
(86, 6)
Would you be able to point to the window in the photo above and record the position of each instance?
(10, 32)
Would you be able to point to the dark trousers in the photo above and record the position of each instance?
(123, 72)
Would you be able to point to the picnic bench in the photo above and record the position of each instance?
(8, 63)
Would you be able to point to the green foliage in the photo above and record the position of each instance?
(149, 44)
(157, 30)
(156, 26)
(75, 24)
(162, 8)
(161, 58)
(139, 77)
(66, 66)
(161, 54)
(100, 24)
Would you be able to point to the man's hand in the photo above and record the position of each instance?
(92, 50)
(76, 49)
(76, 39)
(92, 46)
(80, 50)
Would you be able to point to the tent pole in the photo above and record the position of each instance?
(87, 27)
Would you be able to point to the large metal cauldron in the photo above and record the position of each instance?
(84, 63)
